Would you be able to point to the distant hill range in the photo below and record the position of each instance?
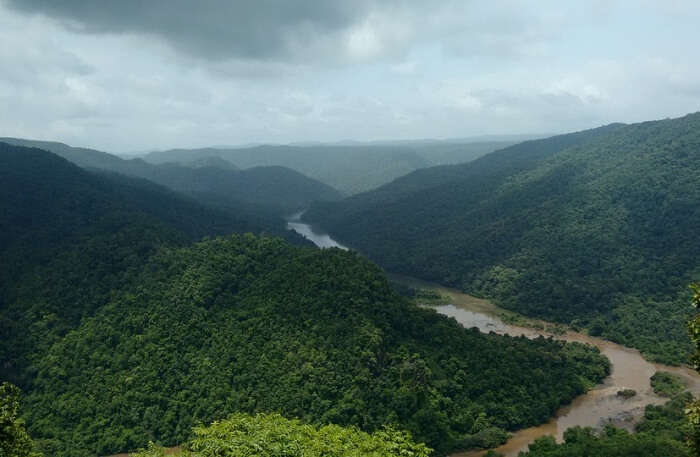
(208, 178)
(351, 167)
(598, 229)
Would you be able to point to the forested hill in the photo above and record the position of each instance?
(597, 229)
(349, 168)
(68, 236)
(268, 190)
(248, 324)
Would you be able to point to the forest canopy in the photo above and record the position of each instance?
(271, 435)
(248, 324)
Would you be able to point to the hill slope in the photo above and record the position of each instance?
(246, 324)
(597, 229)
(275, 190)
(68, 237)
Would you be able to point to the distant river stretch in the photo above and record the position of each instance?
(595, 408)
(320, 239)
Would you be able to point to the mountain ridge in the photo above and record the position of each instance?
(277, 190)
(566, 232)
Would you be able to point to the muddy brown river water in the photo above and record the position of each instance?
(595, 408)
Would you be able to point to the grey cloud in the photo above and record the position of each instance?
(309, 31)
(212, 29)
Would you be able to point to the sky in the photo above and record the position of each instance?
(134, 75)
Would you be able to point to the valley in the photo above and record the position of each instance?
(292, 228)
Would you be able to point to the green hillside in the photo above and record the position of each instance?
(268, 190)
(68, 237)
(246, 324)
(596, 229)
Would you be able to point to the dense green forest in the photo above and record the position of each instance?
(121, 332)
(271, 435)
(68, 237)
(246, 324)
(350, 168)
(269, 191)
(595, 229)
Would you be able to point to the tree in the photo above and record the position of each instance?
(271, 435)
(14, 439)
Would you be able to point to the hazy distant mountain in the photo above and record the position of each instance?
(596, 228)
(210, 161)
(274, 189)
(351, 168)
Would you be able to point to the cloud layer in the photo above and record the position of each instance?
(136, 75)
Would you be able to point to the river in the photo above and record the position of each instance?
(320, 239)
(600, 405)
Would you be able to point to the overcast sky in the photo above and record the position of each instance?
(132, 75)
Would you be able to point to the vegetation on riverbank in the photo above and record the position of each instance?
(667, 384)
(662, 433)
(593, 229)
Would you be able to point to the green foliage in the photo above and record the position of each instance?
(667, 384)
(694, 325)
(626, 393)
(692, 411)
(246, 324)
(660, 434)
(595, 229)
(271, 435)
(14, 440)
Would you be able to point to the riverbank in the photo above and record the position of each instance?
(601, 405)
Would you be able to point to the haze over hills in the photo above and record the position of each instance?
(351, 168)
(595, 229)
(272, 190)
